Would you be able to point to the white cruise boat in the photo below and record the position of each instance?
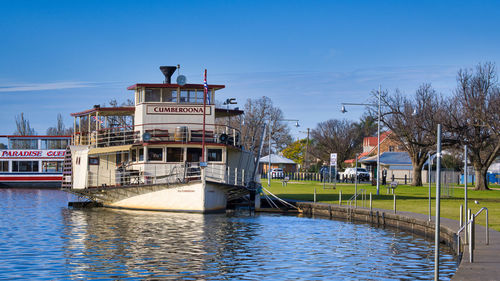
(32, 161)
(165, 153)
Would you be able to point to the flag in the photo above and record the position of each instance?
(96, 119)
(205, 88)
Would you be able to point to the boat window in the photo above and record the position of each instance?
(52, 166)
(93, 161)
(54, 144)
(167, 95)
(4, 166)
(121, 157)
(23, 144)
(193, 154)
(155, 154)
(140, 93)
(199, 96)
(174, 154)
(141, 154)
(134, 155)
(24, 166)
(214, 155)
(184, 96)
(153, 95)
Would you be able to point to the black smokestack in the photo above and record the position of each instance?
(168, 71)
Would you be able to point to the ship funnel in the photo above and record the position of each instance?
(168, 71)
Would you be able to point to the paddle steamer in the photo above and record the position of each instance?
(171, 151)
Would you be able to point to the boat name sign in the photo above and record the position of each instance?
(32, 153)
(178, 110)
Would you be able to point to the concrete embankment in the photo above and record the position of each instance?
(486, 265)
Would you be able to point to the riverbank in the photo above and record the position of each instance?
(408, 198)
(486, 259)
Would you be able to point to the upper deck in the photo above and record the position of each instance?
(42, 142)
(162, 113)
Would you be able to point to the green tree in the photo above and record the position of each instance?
(296, 151)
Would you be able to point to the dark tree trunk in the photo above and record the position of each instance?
(417, 175)
(481, 183)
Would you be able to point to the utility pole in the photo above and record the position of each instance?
(306, 166)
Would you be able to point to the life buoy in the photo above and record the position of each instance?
(223, 138)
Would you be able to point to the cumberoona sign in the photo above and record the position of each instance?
(180, 110)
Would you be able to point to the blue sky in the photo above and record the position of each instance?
(307, 56)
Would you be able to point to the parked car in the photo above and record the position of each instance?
(277, 173)
(363, 174)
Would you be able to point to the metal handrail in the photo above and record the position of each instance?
(355, 196)
(470, 221)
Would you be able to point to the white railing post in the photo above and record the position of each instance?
(236, 176)
(394, 203)
(370, 201)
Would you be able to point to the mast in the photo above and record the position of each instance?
(205, 90)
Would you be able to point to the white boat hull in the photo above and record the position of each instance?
(195, 197)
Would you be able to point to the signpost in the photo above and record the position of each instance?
(333, 162)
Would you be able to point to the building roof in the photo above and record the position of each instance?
(174, 86)
(276, 159)
(372, 141)
(349, 161)
(389, 158)
(107, 111)
(368, 141)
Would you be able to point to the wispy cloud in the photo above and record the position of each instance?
(25, 87)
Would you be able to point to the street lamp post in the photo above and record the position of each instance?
(269, 156)
(343, 110)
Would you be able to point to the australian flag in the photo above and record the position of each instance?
(205, 88)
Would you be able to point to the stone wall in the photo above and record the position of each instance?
(380, 217)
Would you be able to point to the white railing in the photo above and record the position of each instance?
(169, 132)
(168, 174)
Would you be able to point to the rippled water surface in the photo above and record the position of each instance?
(41, 238)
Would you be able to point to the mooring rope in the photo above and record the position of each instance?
(279, 199)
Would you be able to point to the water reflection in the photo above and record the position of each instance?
(41, 238)
(153, 244)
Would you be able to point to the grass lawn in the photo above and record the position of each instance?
(409, 198)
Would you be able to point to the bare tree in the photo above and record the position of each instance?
(23, 127)
(257, 113)
(335, 136)
(413, 122)
(474, 118)
(59, 129)
(120, 121)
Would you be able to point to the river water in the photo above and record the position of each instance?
(42, 239)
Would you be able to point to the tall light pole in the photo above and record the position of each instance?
(438, 205)
(306, 163)
(269, 156)
(343, 110)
